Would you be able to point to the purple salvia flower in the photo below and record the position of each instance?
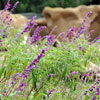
(11, 11)
(12, 82)
(50, 37)
(98, 89)
(82, 29)
(17, 36)
(98, 42)
(90, 89)
(89, 24)
(33, 24)
(7, 17)
(82, 26)
(6, 35)
(94, 40)
(70, 33)
(15, 5)
(88, 34)
(1, 42)
(21, 86)
(25, 29)
(94, 98)
(86, 74)
(50, 92)
(52, 30)
(30, 68)
(81, 32)
(39, 29)
(93, 86)
(36, 36)
(50, 40)
(19, 89)
(70, 75)
(81, 48)
(28, 25)
(50, 75)
(85, 93)
(6, 7)
(97, 93)
(61, 34)
(16, 74)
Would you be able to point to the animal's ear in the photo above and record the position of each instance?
(47, 12)
(50, 13)
(68, 13)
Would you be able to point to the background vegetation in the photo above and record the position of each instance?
(38, 5)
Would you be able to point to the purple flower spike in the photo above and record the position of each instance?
(91, 89)
(10, 12)
(30, 68)
(85, 93)
(50, 40)
(70, 33)
(36, 36)
(21, 86)
(99, 79)
(98, 42)
(26, 28)
(6, 7)
(50, 92)
(52, 30)
(82, 29)
(88, 34)
(94, 98)
(15, 5)
(61, 34)
(89, 13)
(70, 75)
(12, 82)
(50, 75)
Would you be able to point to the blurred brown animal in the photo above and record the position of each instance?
(65, 18)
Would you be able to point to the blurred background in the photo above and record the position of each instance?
(36, 6)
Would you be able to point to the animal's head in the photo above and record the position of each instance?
(66, 18)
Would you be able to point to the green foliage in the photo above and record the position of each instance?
(60, 61)
(37, 7)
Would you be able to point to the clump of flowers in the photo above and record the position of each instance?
(50, 92)
(94, 90)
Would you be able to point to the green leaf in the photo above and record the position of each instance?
(1, 71)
